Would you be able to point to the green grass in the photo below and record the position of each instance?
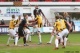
(73, 45)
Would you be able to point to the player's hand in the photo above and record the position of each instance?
(31, 16)
(16, 25)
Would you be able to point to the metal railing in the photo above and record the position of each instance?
(46, 21)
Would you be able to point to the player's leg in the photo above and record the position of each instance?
(52, 36)
(65, 33)
(39, 33)
(15, 37)
(33, 30)
(10, 36)
(67, 37)
(24, 38)
(58, 36)
(27, 31)
(21, 33)
(30, 38)
(56, 42)
(8, 41)
(16, 30)
(68, 34)
(39, 36)
(29, 35)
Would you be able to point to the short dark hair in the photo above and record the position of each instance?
(36, 5)
(60, 16)
(24, 15)
(13, 16)
(57, 17)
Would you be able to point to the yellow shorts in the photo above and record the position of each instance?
(39, 25)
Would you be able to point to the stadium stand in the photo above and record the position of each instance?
(77, 0)
(40, 0)
(64, 0)
(2, 0)
(48, 0)
(9, 0)
(33, 0)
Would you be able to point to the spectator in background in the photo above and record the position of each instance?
(13, 0)
(54, 0)
(73, 0)
(25, 0)
(41, 0)
(2, 22)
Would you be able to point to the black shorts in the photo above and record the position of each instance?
(21, 32)
(67, 36)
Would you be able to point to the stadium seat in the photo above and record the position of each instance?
(77, 0)
(65, 0)
(33, 0)
(21, 0)
(13, 0)
(48, 0)
(2, 0)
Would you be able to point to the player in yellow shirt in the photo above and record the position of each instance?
(38, 21)
(60, 23)
(12, 32)
(60, 27)
(17, 23)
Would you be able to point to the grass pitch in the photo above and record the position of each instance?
(73, 45)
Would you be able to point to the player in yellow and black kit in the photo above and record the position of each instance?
(17, 23)
(12, 32)
(38, 21)
(60, 27)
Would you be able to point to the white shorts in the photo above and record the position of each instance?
(54, 32)
(27, 31)
(65, 32)
(16, 29)
(12, 33)
(38, 29)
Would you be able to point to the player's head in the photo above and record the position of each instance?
(65, 14)
(60, 16)
(25, 16)
(19, 17)
(57, 17)
(36, 6)
(13, 16)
